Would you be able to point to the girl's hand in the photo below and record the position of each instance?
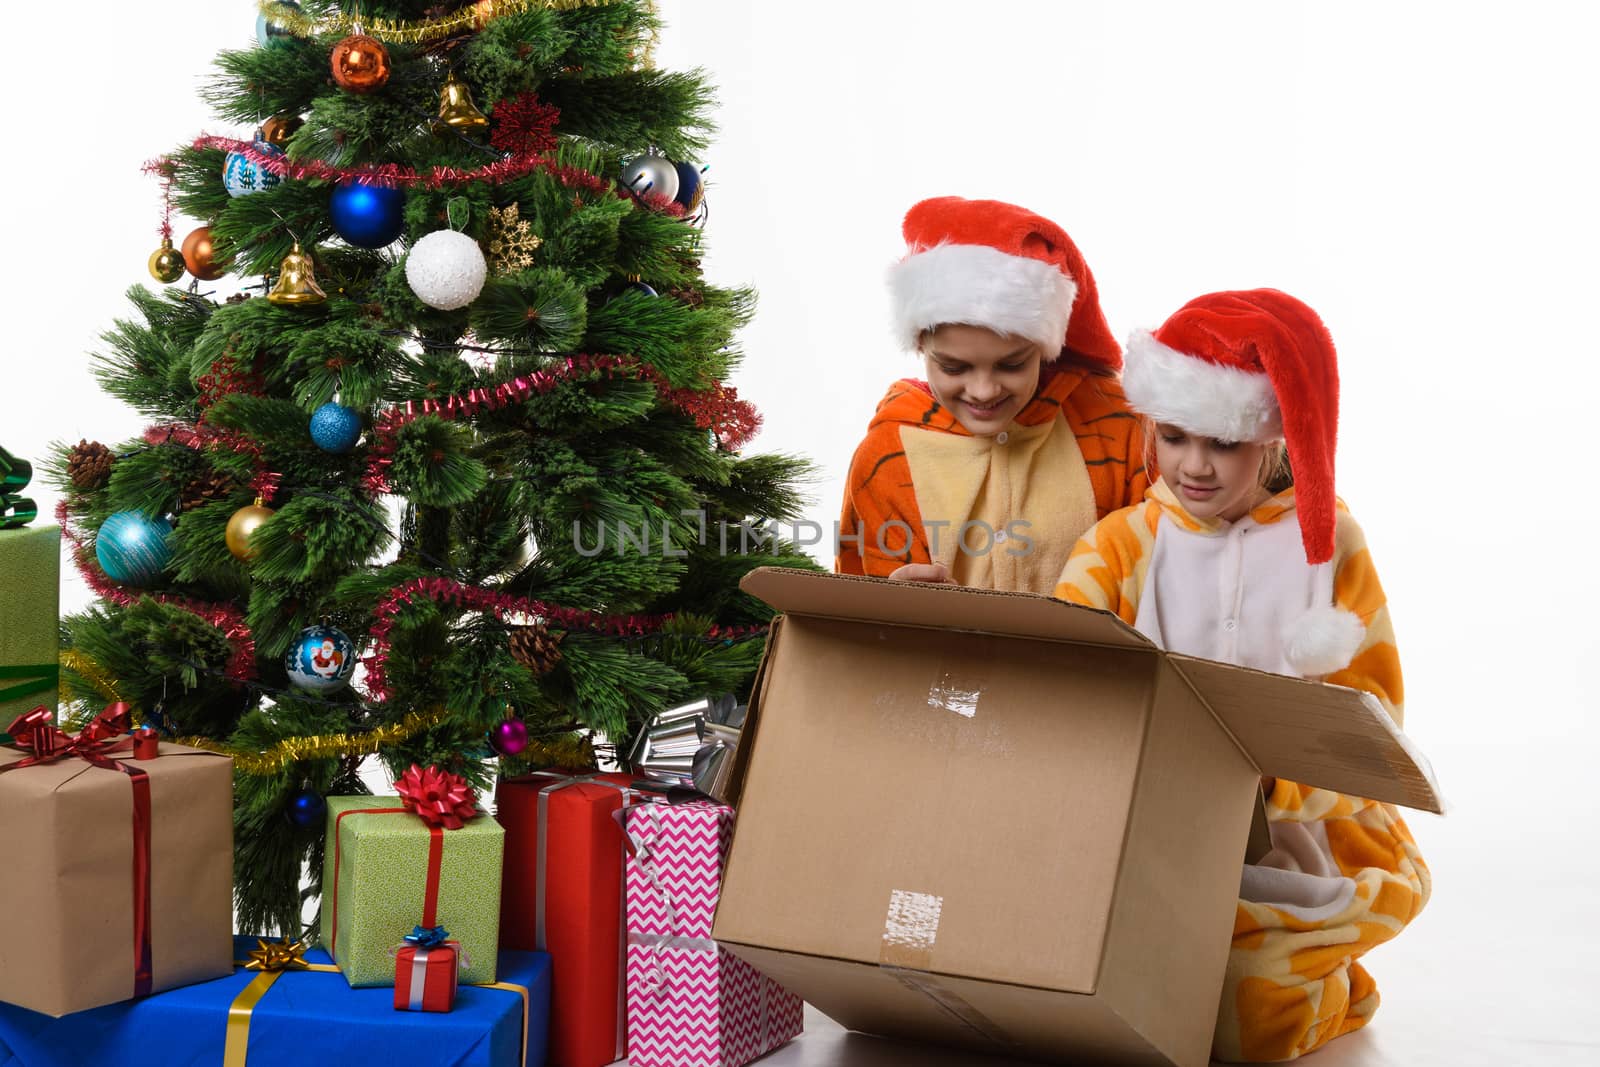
(923, 572)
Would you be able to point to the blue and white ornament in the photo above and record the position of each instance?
(320, 660)
(446, 270)
(133, 548)
(241, 176)
(368, 216)
(335, 428)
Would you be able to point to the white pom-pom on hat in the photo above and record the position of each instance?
(446, 270)
(1323, 640)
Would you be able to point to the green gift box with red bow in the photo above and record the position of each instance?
(30, 578)
(427, 857)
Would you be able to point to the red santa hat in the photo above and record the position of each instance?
(1002, 267)
(1254, 365)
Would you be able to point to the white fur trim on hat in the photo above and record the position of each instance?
(1323, 640)
(1227, 403)
(981, 286)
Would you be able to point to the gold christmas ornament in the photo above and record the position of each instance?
(297, 282)
(279, 128)
(246, 521)
(166, 263)
(456, 109)
(512, 241)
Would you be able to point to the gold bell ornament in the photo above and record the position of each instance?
(456, 109)
(242, 524)
(297, 282)
(166, 263)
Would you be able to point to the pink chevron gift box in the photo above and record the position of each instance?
(690, 1003)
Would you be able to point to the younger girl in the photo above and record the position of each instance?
(1237, 389)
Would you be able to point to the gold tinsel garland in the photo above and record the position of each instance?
(569, 751)
(418, 31)
(87, 669)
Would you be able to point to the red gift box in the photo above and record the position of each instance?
(563, 894)
(425, 978)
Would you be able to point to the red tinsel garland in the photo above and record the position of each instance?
(265, 482)
(228, 619)
(467, 598)
(523, 124)
(718, 408)
(163, 169)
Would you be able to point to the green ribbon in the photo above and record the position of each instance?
(43, 677)
(15, 474)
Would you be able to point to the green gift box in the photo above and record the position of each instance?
(30, 605)
(376, 880)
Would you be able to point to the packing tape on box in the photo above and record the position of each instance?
(910, 930)
(957, 695)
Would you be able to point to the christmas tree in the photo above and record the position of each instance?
(463, 424)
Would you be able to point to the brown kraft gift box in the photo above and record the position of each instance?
(1007, 823)
(67, 884)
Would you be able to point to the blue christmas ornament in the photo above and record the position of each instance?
(241, 176)
(335, 428)
(307, 808)
(320, 660)
(690, 188)
(132, 547)
(368, 216)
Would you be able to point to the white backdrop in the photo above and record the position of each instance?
(1422, 174)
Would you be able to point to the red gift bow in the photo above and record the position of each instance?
(443, 801)
(36, 732)
(441, 798)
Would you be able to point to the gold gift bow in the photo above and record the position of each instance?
(272, 958)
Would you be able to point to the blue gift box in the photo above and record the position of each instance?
(307, 1019)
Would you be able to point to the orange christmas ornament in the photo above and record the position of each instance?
(200, 256)
(360, 63)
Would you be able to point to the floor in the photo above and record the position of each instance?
(1501, 970)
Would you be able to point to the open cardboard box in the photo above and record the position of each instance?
(1008, 823)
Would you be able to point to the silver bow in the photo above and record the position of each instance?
(691, 746)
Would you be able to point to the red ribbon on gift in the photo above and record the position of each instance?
(37, 733)
(442, 800)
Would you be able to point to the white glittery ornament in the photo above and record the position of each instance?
(446, 270)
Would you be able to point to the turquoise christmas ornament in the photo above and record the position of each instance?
(335, 428)
(270, 29)
(320, 660)
(241, 176)
(133, 548)
(367, 216)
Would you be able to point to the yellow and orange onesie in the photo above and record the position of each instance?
(921, 486)
(1344, 874)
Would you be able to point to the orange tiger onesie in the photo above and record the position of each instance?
(1072, 455)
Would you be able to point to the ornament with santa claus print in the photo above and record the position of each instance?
(320, 660)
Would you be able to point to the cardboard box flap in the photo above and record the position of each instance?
(945, 607)
(1322, 735)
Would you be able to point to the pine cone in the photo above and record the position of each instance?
(239, 298)
(536, 648)
(89, 465)
(210, 486)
